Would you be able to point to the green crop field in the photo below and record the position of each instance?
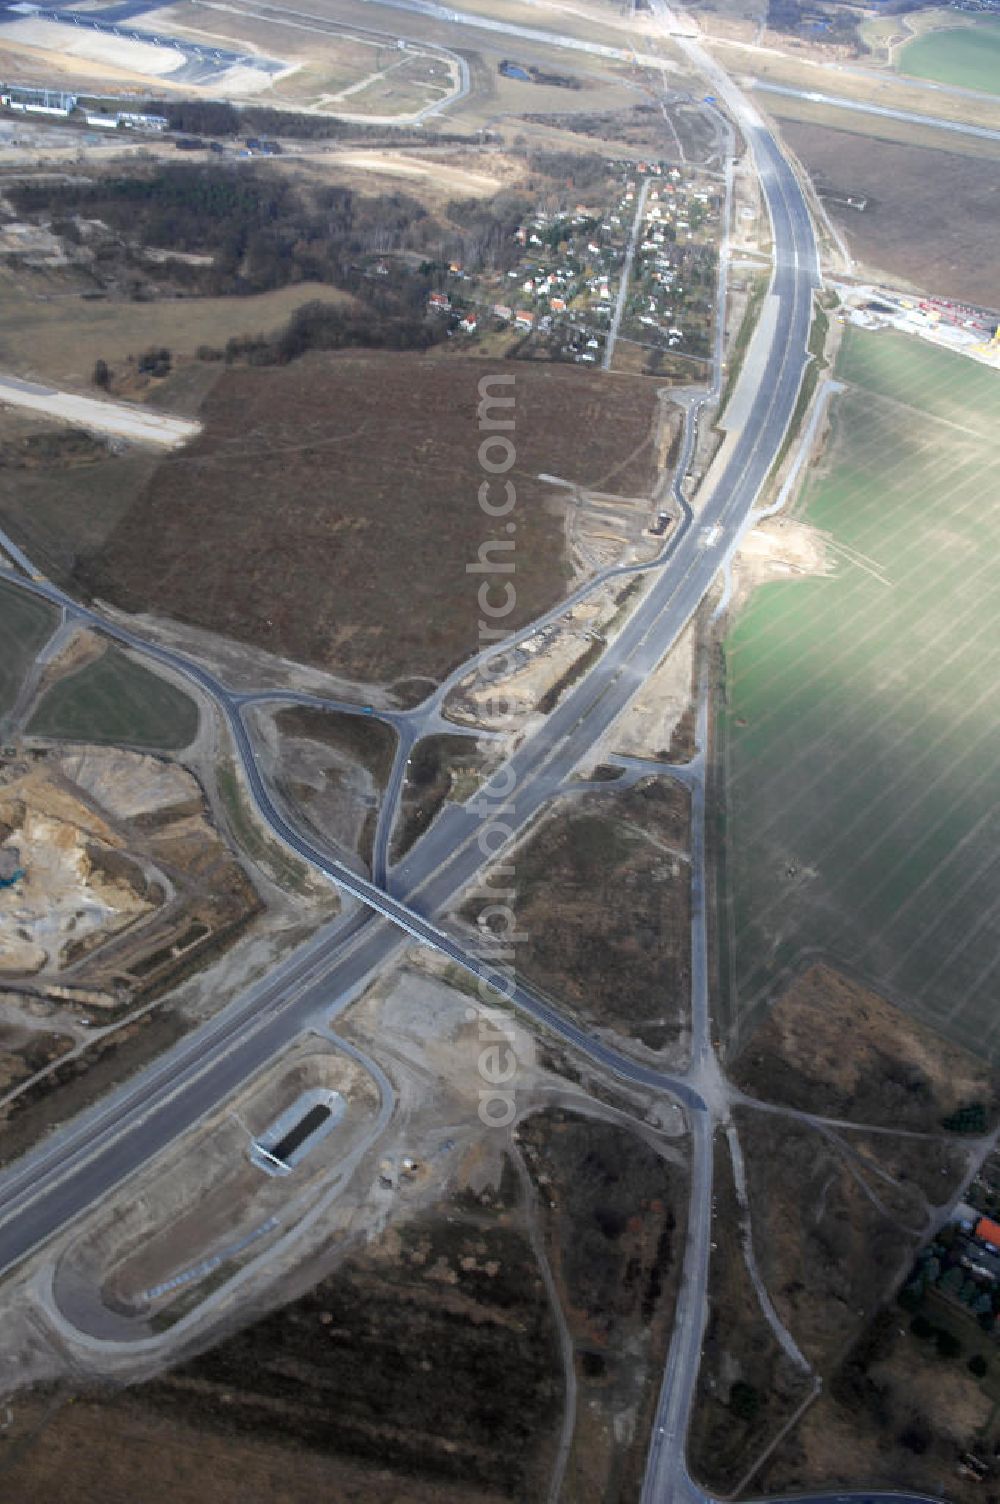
(116, 700)
(858, 736)
(25, 624)
(966, 55)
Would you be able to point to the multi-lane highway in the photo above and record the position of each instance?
(42, 1194)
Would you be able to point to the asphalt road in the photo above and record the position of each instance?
(73, 1171)
(667, 1479)
(860, 1497)
(626, 275)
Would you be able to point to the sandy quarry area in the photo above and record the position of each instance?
(130, 783)
(90, 873)
(66, 895)
(648, 727)
(778, 548)
(20, 239)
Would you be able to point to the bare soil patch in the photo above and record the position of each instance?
(339, 531)
(603, 895)
(423, 1369)
(930, 217)
(335, 767)
(830, 1244)
(79, 1449)
(436, 180)
(660, 722)
(613, 1220)
(830, 1045)
(741, 1353)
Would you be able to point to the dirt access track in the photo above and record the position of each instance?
(330, 509)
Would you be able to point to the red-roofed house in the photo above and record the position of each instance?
(989, 1232)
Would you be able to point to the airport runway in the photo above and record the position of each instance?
(908, 117)
(198, 63)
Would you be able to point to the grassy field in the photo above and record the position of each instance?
(926, 220)
(878, 32)
(25, 623)
(858, 733)
(60, 339)
(275, 859)
(57, 510)
(402, 85)
(115, 700)
(968, 56)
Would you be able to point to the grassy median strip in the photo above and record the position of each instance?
(263, 852)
